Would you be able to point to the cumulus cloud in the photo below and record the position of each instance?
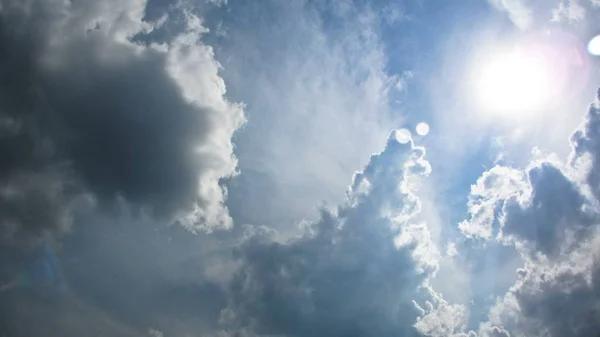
(86, 111)
(499, 183)
(550, 214)
(92, 112)
(361, 270)
(443, 320)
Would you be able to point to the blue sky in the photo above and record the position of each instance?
(242, 168)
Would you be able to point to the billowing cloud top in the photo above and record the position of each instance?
(361, 270)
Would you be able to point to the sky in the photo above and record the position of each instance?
(349, 168)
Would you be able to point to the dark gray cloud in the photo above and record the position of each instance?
(361, 270)
(133, 272)
(115, 137)
(84, 110)
(554, 207)
(586, 147)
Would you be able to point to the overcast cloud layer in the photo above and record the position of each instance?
(139, 197)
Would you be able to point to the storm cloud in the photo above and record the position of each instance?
(88, 114)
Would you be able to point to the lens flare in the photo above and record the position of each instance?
(422, 129)
(594, 46)
(403, 136)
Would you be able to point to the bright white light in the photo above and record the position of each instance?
(594, 46)
(516, 82)
(403, 136)
(422, 129)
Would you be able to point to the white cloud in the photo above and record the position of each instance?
(499, 183)
(443, 320)
(572, 11)
(519, 11)
(316, 90)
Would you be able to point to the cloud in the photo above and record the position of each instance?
(571, 10)
(551, 216)
(443, 320)
(94, 111)
(324, 66)
(499, 183)
(85, 111)
(150, 275)
(542, 197)
(526, 14)
(361, 270)
(519, 11)
(34, 314)
(494, 331)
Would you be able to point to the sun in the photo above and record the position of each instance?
(515, 82)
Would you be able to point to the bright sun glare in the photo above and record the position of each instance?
(514, 83)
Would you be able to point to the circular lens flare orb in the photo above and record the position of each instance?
(515, 82)
(403, 136)
(594, 46)
(422, 129)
